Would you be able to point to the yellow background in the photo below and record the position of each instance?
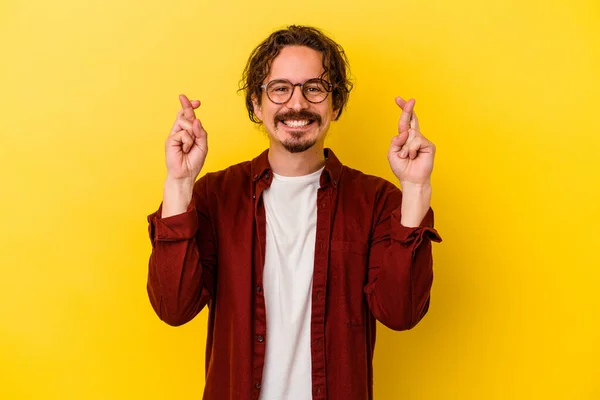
(508, 90)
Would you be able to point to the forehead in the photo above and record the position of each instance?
(297, 64)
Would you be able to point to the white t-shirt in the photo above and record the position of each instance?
(291, 211)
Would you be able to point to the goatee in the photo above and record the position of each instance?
(294, 146)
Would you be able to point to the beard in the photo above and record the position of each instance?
(296, 144)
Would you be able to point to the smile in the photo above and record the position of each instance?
(297, 123)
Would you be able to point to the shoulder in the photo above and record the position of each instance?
(230, 178)
(355, 179)
(236, 173)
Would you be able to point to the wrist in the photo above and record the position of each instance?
(179, 182)
(177, 196)
(417, 188)
(416, 201)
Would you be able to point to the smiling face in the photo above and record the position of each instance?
(298, 124)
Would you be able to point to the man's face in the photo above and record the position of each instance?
(298, 124)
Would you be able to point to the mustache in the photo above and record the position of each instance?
(302, 114)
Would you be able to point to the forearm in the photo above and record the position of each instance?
(416, 201)
(182, 264)
(177, 196)
(400, 262)
(175, 281)
(401, 278)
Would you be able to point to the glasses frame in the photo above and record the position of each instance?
(328, 86)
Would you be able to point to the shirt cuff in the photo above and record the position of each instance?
(414, 236)
(177, 227)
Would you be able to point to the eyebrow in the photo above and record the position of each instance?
(321, 75)
(288, 80)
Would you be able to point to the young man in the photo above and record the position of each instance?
(295, 254)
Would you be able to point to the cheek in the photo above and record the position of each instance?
(269, 115)
(328, 114)
(263, 111)
(329, 110)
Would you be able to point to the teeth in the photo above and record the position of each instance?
(296, 124)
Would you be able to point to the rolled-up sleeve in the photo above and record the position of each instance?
(182, 265)
(400, 271)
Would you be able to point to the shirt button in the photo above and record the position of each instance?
(257, 385)
(319, 390)
(259, 289)
(267, 175)
(319, 295)
(260, 338)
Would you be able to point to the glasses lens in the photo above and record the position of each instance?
(279, 91)
(316, 90)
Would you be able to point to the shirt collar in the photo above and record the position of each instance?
(331, 173)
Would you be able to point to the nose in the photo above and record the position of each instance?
(297, 101)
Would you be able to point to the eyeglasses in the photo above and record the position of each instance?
(314, 90)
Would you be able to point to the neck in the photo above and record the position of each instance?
(296, 164)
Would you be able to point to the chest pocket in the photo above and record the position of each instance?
(346, 280)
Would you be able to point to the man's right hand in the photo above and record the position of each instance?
(186, 147)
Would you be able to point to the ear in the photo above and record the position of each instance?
(257, 108)
(336, 113)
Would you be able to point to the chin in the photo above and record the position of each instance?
(297, 146)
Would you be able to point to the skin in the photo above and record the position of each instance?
(296, 64)
(298, 151)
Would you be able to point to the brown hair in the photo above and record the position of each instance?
(335, 64)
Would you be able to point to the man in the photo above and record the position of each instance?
(295, 254)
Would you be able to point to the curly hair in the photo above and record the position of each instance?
(335, 64)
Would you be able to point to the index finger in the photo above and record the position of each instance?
(407, 112)
(414, 122)
(186, 106)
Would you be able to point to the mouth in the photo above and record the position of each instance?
(297, 124)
